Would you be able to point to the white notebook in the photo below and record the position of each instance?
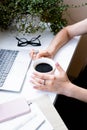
(35, 120)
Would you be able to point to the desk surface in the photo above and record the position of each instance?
(64, 56)
(50, 113)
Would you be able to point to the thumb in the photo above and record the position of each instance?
(59, 68)
(41, 54)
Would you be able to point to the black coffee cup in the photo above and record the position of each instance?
(44, 65)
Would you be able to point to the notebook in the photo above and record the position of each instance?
(14, 65)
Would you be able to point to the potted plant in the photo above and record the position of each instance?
(24, 13)
(50, 13)
(32, 15)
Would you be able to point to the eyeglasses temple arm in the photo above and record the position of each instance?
(18, 39)
(37, 37)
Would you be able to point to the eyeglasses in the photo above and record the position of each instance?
(24, 42)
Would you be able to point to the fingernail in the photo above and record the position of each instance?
(35, 87)
(36, 52)
(57, 64)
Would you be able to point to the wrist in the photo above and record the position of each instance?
(73, 90)
(76, 92)
(50, 52)
(69, 89)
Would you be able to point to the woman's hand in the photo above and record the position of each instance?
(57, 83)
(43, 53)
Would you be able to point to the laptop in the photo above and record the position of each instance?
(14, 66)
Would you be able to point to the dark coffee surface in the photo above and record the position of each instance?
(43, 67)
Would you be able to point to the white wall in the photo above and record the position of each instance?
(79, 59)
(76, 14)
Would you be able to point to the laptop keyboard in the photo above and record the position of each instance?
(7, 58)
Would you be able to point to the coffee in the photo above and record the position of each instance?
(43, 67)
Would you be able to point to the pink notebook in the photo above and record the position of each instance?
(13, 109)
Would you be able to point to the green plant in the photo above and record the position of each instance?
(10, 10)
(50, 13)
(6, 15)
(32, 15)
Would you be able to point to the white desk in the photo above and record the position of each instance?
(64, 57)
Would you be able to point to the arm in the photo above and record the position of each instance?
(77, 92)
(59, 83)
(61, 39)
(66, 34)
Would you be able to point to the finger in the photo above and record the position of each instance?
(43, 88)
(43, 54)
(34, 53)
(40, 84)
(35, 83)
(43, 75)
(59, 68)
(37, 80)
(31, 53)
